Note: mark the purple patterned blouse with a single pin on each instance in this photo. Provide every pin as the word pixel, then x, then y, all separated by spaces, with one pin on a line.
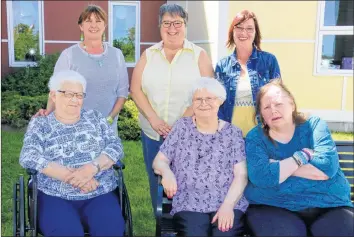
pixel 203 165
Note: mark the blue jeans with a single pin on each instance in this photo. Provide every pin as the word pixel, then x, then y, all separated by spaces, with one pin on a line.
pixel 150 149
pixel 101 216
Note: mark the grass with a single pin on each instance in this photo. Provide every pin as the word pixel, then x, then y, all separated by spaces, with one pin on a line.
pixel 135 180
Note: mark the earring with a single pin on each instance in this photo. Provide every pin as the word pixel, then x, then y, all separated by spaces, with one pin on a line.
pixel 82 36
pixel 104 36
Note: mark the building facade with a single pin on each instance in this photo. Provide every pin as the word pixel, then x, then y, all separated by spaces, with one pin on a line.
pixel 312 40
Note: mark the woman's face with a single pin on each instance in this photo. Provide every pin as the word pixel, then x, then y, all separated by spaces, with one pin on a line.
pixel 69 99
pixel 244 33
pixel 277 108
pixel 205 104
pixel 93 27
pixel 172 30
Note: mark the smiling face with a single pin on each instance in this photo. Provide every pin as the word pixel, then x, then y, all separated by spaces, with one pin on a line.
pixel 205 104
pixel 244 33
pixel 276 108
pixel 173 34
pixel 93 27
pixel 65 106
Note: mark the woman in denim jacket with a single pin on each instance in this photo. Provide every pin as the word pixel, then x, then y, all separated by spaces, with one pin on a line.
pixel 245 71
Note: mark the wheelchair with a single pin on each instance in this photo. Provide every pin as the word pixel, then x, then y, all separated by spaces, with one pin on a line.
pixel 27 222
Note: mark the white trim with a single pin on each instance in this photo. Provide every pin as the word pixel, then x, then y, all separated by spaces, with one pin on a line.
pixel 148 43
pixel 61 41
pixel 322 30
pixel 344 93
pixel 137 26
pixel 4 40
pixel 288 41
pixel 12 62
pixel 331 115
pixel 222 30
pixel 202 42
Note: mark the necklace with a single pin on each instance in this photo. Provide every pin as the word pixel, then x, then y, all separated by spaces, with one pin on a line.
pixel 99 60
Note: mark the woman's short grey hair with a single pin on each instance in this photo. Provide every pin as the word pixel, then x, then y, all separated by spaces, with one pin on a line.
pixel 211 85
pixel 173 10
pixel 58 78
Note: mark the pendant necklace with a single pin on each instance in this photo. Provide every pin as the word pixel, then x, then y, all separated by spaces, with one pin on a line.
pixel 98 61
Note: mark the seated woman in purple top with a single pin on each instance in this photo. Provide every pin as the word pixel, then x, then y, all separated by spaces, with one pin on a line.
pixel 202 164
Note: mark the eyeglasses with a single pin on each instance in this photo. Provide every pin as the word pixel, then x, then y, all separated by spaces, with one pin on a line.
pixel 176 24
pixel 70 95
pixel 240 29
pixel 207 100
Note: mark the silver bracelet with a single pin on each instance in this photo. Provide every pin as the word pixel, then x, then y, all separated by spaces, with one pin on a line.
pixel 95 163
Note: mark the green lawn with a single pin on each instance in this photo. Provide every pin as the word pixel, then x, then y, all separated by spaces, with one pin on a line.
pixel 135 179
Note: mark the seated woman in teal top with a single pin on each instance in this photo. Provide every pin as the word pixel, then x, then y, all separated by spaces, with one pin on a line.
pixel 296 186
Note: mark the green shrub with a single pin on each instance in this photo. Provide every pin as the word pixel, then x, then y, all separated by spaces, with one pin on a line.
pixel 31 80
pixel 128 124
pixel 17 110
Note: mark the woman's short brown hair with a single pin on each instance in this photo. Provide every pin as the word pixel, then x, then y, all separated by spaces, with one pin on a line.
pixel 298 117
pixel 92 9
pixel 239 18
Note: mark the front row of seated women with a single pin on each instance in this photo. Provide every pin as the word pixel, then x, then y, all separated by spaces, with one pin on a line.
pixel 295 187
pixel 292 184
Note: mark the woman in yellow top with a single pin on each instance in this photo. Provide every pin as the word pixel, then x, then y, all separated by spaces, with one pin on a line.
pixel 245 71
pixel 161 80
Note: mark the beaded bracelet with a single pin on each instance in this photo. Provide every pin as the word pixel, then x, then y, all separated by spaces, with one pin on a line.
pixel 300 155
pixel 309 156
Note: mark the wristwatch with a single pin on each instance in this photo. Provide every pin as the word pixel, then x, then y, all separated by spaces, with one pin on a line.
pixel 109 120
pixel 95 163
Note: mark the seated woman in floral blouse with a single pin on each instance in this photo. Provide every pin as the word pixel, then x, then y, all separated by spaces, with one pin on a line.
pixel 73 151
pixel 208 170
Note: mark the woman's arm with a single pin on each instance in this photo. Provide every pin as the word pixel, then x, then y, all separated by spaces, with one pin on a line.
pixel 275 69
pixel 205 65
pixel 309 171
pixel 238 184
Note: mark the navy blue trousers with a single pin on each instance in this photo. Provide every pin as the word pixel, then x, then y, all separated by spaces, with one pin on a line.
pixel 101 216
pixel 188 223
pixel 150 149
pixel 266 220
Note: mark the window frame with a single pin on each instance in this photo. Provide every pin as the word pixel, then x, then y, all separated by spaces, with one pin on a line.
pixel 10 33
pixel 136 4
pixel 328 30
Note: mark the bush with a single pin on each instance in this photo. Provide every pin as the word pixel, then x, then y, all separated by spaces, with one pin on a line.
pixel 17 110
pixel 128 124
pixel 31 80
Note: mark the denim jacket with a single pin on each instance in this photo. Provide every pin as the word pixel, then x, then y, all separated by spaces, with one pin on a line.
pixel 262 67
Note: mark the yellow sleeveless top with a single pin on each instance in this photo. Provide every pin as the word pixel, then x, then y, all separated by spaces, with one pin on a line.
pixel 243 113
pixel 166 85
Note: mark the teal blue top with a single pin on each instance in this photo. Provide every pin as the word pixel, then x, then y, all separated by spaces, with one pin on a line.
pixel 295 193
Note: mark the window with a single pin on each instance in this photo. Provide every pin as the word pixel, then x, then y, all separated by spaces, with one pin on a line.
pixel 25 32
pixel 124 29
pixel 334 50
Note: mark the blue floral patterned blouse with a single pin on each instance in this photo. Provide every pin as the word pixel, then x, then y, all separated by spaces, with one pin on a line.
pixel 72 145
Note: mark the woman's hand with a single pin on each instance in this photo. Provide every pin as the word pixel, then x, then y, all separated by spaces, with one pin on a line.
pixel 79 177
pixel 90 186
pixel 169 184
pixel 225 215
pixel 160 126
pixel 41 112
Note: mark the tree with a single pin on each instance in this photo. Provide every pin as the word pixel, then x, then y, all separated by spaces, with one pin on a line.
pixel 25 40
pixel 127 45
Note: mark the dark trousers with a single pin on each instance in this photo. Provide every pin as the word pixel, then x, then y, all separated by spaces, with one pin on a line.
pixel 150 149
pixel 188 223
pixel 101 215
pixel 265 220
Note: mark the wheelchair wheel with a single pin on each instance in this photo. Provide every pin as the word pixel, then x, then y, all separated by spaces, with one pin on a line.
pixel 19 208
pixel 127 215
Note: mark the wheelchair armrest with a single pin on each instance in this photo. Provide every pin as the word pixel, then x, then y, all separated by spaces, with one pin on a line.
pixel 119 165
pixel 31 171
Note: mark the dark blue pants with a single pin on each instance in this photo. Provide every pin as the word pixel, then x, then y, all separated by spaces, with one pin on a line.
pixel 266 220
pixel 188 223
pixel 101 216
pixel 150 149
